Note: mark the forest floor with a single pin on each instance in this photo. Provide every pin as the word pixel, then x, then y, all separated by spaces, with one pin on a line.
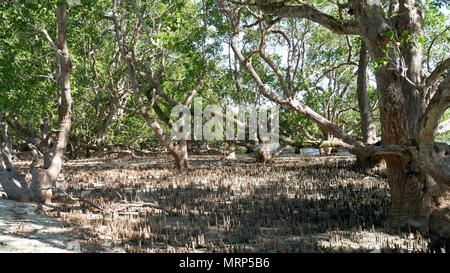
pixel 294 204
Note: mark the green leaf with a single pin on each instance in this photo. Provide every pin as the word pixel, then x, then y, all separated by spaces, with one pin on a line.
pixel 390 34
pixel 421 40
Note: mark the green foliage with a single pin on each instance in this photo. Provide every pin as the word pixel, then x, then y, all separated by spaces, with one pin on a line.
pixel 28 68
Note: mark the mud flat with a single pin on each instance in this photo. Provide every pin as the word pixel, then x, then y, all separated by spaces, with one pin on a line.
pixel 291 205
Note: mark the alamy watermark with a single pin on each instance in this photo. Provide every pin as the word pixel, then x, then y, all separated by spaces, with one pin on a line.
pixel 232 123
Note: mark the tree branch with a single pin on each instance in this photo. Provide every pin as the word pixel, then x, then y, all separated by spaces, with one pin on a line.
pixel 308 12
pixel 443 127
pixel 298 107
pixel 435 109
pixel 382 150
pixel 437 72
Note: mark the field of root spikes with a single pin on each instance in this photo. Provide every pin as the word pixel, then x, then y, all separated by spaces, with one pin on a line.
pixel 291 205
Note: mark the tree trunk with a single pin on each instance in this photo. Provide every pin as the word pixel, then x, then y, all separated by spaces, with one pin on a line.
pixel 12 183
pixel 230 152
pixel 251 148
pixel 5 145
pixel 406 181
pixel 439 229
pixel 100 145
pixel 44 145
pixel 414 195
pixel 43 180
pixel 41 183
pixel 263 152
pixel 368 127
pixel 180 154
pixel 103 125
pixel 410 21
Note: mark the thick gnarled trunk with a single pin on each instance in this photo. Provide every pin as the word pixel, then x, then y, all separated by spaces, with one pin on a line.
pixel 414 194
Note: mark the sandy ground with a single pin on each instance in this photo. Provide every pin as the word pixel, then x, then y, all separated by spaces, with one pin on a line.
pixel 23 229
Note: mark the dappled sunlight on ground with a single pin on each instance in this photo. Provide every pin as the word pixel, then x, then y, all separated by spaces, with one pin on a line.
pixel 23 229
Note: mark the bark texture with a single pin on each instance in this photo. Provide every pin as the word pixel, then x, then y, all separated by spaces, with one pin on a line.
pixel 368 127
